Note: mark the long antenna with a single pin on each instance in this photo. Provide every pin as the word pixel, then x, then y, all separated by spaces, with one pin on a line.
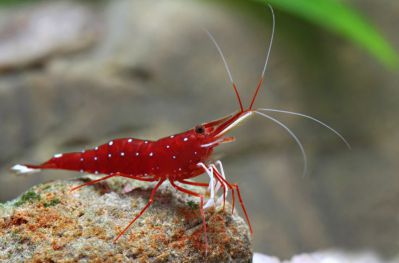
pixel 313 119
pixel 266 61
pixel 227 68
pixel 296 139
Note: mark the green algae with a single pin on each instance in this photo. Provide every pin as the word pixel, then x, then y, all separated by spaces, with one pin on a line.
pixel 29 196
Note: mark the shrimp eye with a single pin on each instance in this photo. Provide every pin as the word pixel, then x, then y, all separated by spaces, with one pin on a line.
pixel 200 129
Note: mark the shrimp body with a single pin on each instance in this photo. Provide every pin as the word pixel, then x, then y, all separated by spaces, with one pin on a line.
pixel 173 157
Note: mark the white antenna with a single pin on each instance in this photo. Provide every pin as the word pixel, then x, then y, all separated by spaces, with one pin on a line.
pixel 271 41
pixel 227 68
pixel 221 55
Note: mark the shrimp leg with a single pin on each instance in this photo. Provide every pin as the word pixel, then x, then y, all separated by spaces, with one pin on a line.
pixel 213 186
pixel 232 187
pixel 150 201
pixel 183 190
pixel 92 182
pixel 110 176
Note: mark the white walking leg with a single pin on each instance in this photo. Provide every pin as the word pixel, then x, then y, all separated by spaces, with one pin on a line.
pixel 211 187
pixel 218 162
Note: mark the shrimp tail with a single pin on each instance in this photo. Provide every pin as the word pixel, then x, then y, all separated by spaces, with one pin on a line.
pixel 59 161
pixel 25 169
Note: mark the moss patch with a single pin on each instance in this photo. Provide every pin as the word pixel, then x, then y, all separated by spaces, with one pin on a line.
pixel 192 204
pixel 52 202
pixel 29 196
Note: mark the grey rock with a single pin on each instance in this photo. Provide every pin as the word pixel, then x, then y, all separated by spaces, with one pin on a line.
pixel 34 33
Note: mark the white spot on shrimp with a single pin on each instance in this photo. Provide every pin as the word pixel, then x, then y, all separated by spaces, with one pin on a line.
pixel 130 140
pixel 167 146
pixel 185 139
pixel 179 169
pixel 122 154
pixel 81 170
pixel 81 159
pixel 172 136
pixel 96 148
pixel 95 158
pixel 151 154
pixel 137 154
pixel 195 153
pixel 96 172
pixel 174 157
pixel 110 143
pixel 145 141
pixel 109 155
pixel 58 155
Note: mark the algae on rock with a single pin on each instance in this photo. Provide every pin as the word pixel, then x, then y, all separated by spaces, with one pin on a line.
pixel 50 223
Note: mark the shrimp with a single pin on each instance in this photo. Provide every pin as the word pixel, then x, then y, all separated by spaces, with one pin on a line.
pixel 174 158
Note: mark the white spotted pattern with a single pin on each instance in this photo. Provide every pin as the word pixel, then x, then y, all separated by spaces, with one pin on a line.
pixel 109 155
pixel 137 154
pixel 58 155
pixel 185 139
pixel 122 154
pixel 167 146
pixel 95 158
pixel 110 143
pixel 151 154
pixel 130 140
pixel 174 156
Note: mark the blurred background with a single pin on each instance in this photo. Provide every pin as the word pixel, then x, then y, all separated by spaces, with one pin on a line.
pixel 74 74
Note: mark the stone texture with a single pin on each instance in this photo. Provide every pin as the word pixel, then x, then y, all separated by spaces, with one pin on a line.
pixel 50 224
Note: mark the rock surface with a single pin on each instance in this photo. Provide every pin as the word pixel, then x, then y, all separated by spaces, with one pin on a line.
pixel 50 224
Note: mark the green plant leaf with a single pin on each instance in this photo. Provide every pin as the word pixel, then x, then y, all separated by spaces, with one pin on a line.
pixel 14 2
pixel 337 17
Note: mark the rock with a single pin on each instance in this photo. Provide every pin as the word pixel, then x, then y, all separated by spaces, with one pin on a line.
pixel 32 34
pixel 50 224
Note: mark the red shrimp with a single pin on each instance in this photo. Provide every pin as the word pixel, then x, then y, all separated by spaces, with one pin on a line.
pixel 175 158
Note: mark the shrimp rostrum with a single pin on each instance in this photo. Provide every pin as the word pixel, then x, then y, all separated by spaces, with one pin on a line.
pixel 174 158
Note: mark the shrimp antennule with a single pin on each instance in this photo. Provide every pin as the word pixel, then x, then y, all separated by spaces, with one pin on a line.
pixel 227 69
pixel 266 61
